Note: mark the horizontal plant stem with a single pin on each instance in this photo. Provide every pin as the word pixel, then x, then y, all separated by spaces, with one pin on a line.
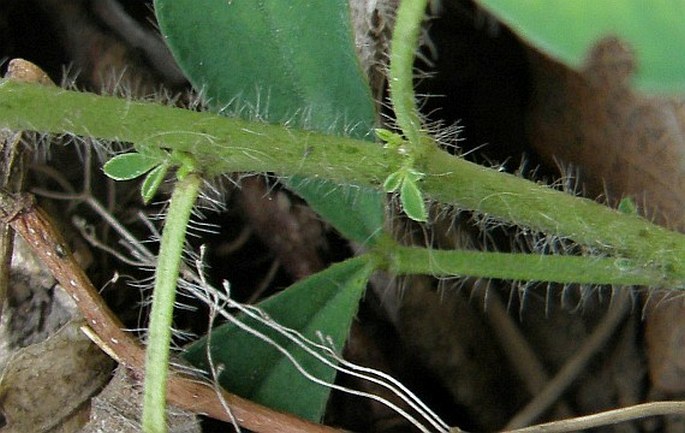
pixel 218 144
pixel 508 198
pixel 224 145
pixel 520 267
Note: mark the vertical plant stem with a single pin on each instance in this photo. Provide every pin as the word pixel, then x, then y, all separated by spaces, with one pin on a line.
pixel 166 277
pixel 405 41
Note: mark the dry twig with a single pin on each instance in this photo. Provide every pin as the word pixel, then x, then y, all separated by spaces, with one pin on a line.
pixel 191 393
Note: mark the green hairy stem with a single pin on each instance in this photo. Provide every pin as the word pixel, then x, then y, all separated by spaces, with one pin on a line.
pixel 164 294
pixel 223 145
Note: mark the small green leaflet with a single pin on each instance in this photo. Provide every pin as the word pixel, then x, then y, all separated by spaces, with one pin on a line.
pixel 412 199
pixel 625 265
pixel 130 165
pixel 152 182
pixel 406 180
pixel 393 181
pixel 135 164
pixel 391 139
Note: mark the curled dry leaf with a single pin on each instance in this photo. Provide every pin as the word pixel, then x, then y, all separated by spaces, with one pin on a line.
pixel 623 144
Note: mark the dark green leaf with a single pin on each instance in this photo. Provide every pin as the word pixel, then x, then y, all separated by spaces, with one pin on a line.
pixel 324 302
pixel 279 59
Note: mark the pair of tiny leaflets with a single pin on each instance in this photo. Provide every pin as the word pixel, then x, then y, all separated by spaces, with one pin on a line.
pixel 406 179
pixel 154 162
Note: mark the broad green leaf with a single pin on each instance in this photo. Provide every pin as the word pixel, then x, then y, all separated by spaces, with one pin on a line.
pixel 279 59
pixel 152 182
pixel 567 29
pixel 412 200
pixel 325 302
pixel 129 166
